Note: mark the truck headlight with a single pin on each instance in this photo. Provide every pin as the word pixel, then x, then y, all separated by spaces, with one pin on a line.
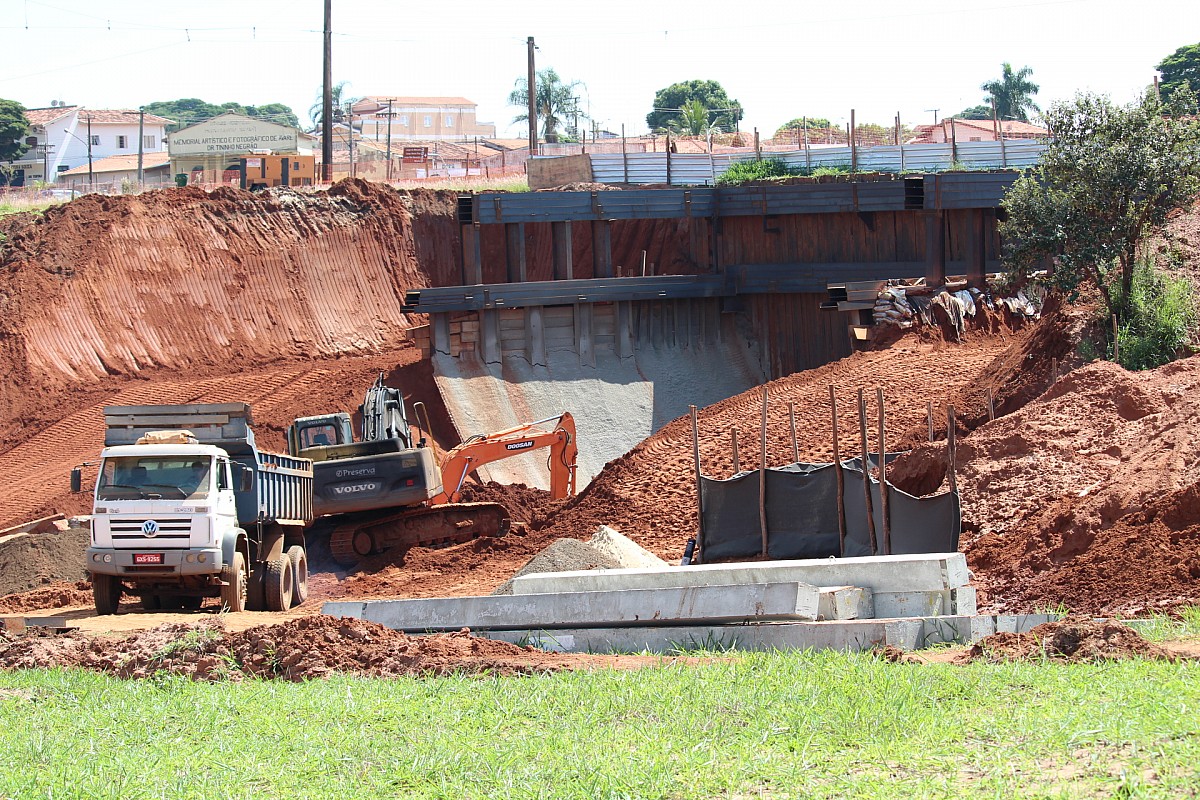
pixel 203 557
pixel 96 557
pixel 108 558
pixel 190 558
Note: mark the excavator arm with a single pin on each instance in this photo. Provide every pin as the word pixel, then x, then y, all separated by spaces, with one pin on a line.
pixel 483 449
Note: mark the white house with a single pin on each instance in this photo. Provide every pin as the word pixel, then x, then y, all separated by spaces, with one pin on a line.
pixel 64 132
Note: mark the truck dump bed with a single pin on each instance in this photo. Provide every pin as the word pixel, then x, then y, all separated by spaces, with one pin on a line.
pixel 282 487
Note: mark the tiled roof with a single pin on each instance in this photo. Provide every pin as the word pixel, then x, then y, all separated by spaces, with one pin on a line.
pixel 118 116
pixel 42 116
pixel 382 100
pixel 98 116
pixel 1012 126
pixel 121 163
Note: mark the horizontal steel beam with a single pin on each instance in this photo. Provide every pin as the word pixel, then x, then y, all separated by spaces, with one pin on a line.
pixel 739 280
pixel 946 190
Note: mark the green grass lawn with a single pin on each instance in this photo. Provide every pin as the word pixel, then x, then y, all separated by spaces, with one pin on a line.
pixel 739 726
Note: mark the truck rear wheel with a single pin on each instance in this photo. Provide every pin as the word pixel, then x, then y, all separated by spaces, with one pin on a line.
pixel 299 561
pixel 279 583
pixel 233 593
pixel 106 592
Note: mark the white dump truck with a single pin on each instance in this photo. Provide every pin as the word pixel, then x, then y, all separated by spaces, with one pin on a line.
pixel 187 507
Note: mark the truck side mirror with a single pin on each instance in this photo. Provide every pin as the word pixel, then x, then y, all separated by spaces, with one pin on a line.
pixel 245 480
pixel 76 480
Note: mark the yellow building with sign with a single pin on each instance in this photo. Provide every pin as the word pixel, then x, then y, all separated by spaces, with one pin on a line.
pixel 212 151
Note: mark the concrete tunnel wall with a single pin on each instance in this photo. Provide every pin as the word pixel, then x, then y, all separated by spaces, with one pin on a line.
pixel 679 353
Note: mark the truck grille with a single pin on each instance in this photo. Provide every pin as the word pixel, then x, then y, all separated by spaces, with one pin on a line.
pixel 173 532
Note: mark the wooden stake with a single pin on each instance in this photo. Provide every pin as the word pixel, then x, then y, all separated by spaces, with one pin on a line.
pixel 883 485
pixel 866 470
pixel 929 414
pixel 737 464
pixel 841 479
pixel 762 477
pixel 991 405
pixel 1116 340
pixel 699 487
pixel 950 448
pixel 792 424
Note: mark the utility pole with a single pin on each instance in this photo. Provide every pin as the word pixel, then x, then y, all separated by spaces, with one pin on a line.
pixel 141 142
pixel 89 135
pixel 350 135
pixel 327 99
pixel 389 137
pixel 531 83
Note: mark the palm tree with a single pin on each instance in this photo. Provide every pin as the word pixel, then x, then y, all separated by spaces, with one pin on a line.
pixel 693 120
pixel 317 111
pixel 554 100
pixel 1013 93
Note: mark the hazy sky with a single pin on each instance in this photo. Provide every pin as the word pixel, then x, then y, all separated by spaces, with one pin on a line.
pixel 780 59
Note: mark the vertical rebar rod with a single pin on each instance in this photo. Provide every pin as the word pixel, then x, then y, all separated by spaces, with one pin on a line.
pixel 884 502
pixel 737 464
pixel 929 416
pixel 950 448
pixel 762 477
pixel 841 479
pixel 792 425
pixel 699 486
pixel 866 471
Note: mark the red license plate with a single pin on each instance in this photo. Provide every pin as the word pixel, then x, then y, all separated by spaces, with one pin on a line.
pixel 147 558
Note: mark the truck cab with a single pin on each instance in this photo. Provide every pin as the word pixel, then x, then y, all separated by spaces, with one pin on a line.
pixel 186 507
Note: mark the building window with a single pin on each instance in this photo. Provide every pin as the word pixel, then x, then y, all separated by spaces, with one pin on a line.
pixel 122 142
pixel 428 121
pixel 449 121
pixel 404 119
pixel 95 141
pixel 148 142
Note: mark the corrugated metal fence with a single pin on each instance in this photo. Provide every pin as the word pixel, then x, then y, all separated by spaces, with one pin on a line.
pixel 701 169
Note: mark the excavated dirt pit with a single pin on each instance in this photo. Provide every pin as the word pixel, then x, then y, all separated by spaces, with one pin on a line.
pixel 1083 496
pixel 1072 639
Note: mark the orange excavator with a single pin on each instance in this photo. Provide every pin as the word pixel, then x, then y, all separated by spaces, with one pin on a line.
pixel 390 489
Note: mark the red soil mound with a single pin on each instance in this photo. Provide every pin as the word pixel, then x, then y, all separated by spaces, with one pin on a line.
pixel 296 650
pixel 1086 496
pixel 1069 639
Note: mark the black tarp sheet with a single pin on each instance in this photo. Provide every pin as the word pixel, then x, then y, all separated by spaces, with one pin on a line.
pixel 802 515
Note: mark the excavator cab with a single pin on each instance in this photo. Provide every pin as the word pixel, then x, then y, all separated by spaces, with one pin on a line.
pixel 313 437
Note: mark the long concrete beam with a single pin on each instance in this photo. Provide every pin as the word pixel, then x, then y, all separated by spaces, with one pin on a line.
pixel 932 572
pixel 845 635
pixel 690 605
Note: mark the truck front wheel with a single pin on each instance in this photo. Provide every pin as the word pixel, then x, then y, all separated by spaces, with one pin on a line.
pixel 233 593
pixel 106 591
pixel 279 583
pixel 299 561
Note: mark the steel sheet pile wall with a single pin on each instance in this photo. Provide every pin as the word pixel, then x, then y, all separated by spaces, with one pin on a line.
pixel 698 169
pixel 802 515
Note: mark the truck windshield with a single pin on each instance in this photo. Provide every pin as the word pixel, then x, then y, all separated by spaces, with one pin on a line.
pixel 154 477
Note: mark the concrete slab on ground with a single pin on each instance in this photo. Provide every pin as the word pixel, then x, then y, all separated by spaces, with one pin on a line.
pixel 903 573
pixel 694 605
pixel 946 602
pixel 844 635
pixel 845 602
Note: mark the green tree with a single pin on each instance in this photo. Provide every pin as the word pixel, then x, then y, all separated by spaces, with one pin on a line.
pixel 791 127
pixel 1181 68
pixel 190 110
pixel 976 112
pixel 722 112
pixel 556 100
pixel 1013 93
pixel 13 130
pixel 1109 174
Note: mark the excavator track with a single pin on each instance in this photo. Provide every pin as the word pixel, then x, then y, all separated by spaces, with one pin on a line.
pixel 375 532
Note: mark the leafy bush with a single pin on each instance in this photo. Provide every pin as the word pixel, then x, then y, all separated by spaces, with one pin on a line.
pixel 1161 319
pixel 756 170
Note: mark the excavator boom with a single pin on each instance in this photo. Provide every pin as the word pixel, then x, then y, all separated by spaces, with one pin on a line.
pixel 485 448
